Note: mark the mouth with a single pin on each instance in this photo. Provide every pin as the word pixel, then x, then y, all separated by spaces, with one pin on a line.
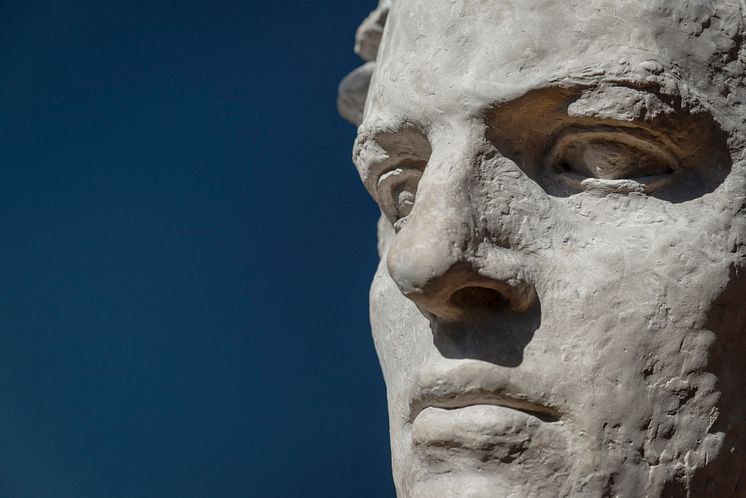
pixel 470 384
pixel 459 399
pixel 475 411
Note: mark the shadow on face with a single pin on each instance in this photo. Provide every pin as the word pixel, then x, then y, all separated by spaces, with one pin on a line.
pixel 488 331
pixel 612 139
pixel 727 319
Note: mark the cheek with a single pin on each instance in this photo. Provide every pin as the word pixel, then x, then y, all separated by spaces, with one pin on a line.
pixel 400 332
pixel 621 306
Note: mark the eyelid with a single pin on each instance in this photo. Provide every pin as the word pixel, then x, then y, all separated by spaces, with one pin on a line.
pixel 379 172
pixel 568 161
pixel 629 138
pixel 389 161
pixel 635 138
pixel 393 179
pixel 404 164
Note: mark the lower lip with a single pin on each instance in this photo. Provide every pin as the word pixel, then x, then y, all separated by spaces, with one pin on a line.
pixel 476 427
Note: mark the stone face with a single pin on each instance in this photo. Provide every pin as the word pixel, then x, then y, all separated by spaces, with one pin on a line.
pixel 559 307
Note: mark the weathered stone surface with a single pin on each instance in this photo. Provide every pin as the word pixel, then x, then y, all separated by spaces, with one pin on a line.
pixel 559 308
pixel 369 34
pixel 352 93
pixel 353 89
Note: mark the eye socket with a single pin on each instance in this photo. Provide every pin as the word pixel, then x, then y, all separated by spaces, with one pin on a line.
pixel 397 191
pixel 612 161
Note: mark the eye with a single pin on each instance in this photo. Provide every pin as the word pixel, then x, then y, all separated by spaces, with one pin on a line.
pixel 611 161
pixel 397 191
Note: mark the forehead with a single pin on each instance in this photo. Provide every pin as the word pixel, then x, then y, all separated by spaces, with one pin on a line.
pixel 459 56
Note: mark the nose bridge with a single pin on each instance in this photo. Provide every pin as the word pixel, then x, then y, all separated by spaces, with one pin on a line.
pixel 440 230
pixel 443 247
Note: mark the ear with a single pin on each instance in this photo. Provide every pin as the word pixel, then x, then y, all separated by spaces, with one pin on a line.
pixel 353 89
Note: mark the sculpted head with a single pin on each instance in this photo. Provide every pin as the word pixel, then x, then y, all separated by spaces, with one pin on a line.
pixel 558 309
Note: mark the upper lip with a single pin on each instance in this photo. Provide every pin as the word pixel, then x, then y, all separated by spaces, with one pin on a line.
pixel 472 383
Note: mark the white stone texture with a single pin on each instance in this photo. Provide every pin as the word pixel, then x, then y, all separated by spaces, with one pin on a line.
pixel 353 89
pixel 559 307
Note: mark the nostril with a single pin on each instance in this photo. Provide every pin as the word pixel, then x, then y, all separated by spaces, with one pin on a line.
pixel 479 298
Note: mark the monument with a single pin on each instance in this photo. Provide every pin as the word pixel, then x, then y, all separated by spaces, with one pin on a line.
pixel 559 306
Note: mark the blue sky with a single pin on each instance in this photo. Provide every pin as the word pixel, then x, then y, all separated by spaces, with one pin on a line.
pixel 185 254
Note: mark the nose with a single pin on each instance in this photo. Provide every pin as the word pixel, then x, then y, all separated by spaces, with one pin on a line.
pixel 445 258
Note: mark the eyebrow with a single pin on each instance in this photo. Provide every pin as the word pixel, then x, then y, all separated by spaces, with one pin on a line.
pixel 584 90
pixel 621 103
pixel 371 131
pixel 599 102
pixel 665 84
pixel 362 142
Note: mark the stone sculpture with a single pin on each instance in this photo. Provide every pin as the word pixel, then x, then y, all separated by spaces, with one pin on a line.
pixel 559 308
